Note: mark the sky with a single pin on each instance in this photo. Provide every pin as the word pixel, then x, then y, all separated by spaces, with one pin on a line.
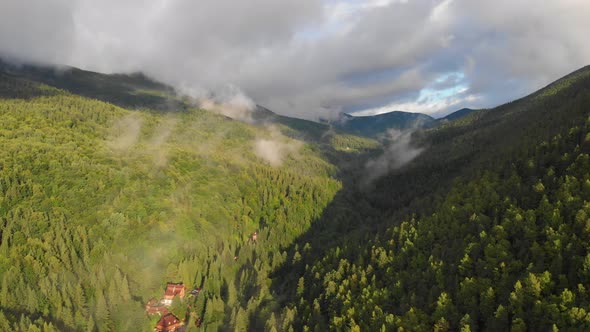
pixel 314 58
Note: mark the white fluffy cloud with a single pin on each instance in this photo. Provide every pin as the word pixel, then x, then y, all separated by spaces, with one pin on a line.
pixel 311 57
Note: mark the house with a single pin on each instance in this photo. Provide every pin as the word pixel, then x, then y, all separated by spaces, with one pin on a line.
pixel 155 307
pixel 169 323
pixel 173 290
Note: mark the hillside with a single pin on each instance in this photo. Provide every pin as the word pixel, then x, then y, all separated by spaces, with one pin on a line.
pixel 101 205
pixel 485 230
pixel 378 125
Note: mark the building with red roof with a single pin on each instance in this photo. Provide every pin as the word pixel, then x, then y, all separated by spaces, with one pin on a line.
pixel 172 291
pixel 169 323
pixel 154 307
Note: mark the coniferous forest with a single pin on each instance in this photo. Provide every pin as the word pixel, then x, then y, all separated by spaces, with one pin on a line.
pixel 112 186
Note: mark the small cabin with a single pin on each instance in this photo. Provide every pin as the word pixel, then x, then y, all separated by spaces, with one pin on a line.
pixel 168 323
pixel 172 291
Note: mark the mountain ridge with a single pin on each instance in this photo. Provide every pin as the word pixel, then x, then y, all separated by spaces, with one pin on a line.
pixel 458 114
pixel 133 90
pixel 378 125
pixel 137 90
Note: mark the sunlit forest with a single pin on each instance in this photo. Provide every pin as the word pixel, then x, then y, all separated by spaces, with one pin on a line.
pixel 101 206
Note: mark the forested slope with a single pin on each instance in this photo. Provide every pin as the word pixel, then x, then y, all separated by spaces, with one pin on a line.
pixel 100 206
pixel 487 230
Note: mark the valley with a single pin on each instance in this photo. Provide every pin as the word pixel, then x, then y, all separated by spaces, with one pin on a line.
pixel 294 165
pixel 107 199
pixel 102 206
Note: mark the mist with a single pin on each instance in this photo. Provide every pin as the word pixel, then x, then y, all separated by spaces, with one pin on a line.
pixel 229 101
pixel 125 133
pixel 398 153
pixel 156 144
pixel 276 148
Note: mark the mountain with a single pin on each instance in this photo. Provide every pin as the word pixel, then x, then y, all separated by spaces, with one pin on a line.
pixel 458 114
pixel 378 125
pixel 304 129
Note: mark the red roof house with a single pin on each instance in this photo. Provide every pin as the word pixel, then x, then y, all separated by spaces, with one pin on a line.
pixel 155 307
pixel 173 290
pixel 168 323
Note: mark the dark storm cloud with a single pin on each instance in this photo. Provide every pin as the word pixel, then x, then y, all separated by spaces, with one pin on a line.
pixel 309 57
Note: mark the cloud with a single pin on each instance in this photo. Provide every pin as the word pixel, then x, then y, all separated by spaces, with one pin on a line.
pixel 276 148
pixel 399 152
pixel 228 100
pixel 157 142
pixel 311 57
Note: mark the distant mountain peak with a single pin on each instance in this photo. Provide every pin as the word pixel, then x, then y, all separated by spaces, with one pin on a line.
pixel 458 114
pixel 376 125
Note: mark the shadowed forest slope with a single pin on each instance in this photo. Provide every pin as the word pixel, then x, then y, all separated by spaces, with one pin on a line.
pixel 488 229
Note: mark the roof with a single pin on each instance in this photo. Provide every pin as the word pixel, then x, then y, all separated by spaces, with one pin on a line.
pixel 155 307
pixel 157 310
pixel 168 321
pixel 173 290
